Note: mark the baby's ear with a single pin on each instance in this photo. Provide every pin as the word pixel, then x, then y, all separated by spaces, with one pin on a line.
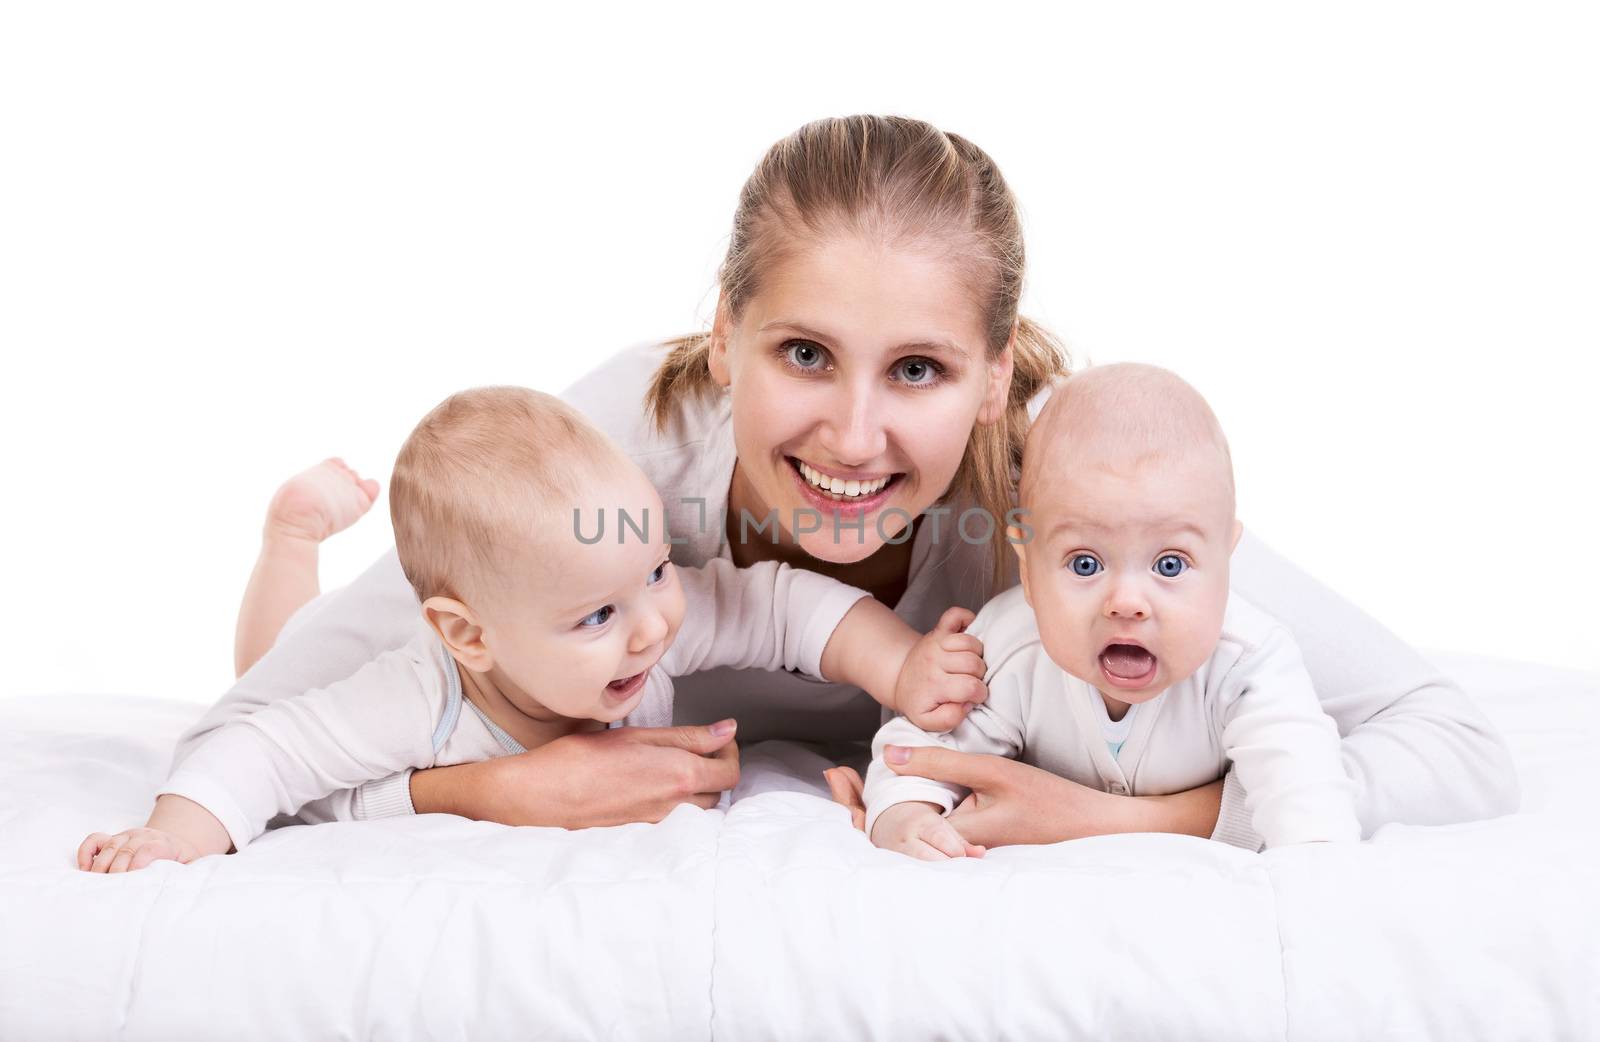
pixel 457 626
pixel 1238 530
pixel 1014 536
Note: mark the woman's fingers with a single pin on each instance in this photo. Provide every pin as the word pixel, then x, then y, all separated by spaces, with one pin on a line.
pixel 695 739
pixel 719 771
pixel 969 770
pixel 845 786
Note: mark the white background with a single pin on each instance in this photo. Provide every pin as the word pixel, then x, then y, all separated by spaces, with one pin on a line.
pixel 235 239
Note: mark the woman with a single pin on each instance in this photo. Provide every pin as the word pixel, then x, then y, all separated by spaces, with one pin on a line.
pixel 858 409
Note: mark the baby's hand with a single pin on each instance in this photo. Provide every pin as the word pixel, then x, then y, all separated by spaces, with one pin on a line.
pixel 918 829
pixel 133 849
pixel 942 678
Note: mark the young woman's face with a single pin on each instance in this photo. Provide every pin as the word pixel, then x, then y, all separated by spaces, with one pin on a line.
pixel 863 368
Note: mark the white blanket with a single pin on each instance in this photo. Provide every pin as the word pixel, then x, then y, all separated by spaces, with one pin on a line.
pixel 774 919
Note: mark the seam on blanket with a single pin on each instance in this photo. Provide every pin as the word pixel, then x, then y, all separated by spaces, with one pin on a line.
pixel 716 917
pixel 138 956
pixel 1283 953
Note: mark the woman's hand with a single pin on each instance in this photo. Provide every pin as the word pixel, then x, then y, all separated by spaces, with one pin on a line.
pixel 611 777
pixel 1013 802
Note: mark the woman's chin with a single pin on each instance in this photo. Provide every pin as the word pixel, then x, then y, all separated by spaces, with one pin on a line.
pixel 844 548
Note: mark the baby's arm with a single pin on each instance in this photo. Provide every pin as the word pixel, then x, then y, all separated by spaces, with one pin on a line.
pixel 933 679
pixel 901 809
pixel 1285 748
pixel 286 754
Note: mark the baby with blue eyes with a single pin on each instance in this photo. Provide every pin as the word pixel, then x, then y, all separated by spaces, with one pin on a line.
pixel 1122 661
pixel 542 614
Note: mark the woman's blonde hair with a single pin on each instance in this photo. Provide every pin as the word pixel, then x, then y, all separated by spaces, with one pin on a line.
pixel 904 178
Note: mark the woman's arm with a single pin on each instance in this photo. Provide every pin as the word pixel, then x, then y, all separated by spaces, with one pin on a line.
pixel 1416 748
pixel 1012 802
pixel 626 774
pixel 611 777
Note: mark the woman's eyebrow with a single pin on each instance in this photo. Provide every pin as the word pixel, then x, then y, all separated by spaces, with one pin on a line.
pixel 936 345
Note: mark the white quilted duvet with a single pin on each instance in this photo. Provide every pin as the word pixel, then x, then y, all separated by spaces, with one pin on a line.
pixel 774 919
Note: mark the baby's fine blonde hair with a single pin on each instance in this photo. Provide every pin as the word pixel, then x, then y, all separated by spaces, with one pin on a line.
pixel 1122 415
pixel 905 181
pixel 480 478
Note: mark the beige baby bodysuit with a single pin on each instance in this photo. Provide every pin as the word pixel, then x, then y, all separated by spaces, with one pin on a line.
pixel 1250 704
pixel 405 709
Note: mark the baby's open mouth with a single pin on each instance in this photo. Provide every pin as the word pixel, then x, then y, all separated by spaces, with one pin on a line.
pixel 624 688
pixel 1127 665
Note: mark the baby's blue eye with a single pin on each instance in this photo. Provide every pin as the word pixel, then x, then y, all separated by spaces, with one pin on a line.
pixel 659 574
pixel 1083 564
pixel 598 617
pixel 1171 565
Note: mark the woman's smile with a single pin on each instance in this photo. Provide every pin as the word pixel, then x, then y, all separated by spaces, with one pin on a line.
pixel 849 493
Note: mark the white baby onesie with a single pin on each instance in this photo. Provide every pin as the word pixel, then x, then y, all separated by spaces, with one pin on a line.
pixel 405 709
pixel 1251 703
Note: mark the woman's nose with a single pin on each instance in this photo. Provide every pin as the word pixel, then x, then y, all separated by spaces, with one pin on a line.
pixel 855 432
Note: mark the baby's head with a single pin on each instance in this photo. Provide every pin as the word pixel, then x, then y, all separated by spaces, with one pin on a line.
pixel 483 499
pixel 1128 487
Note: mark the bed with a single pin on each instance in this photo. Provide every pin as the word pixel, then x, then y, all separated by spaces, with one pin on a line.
pixel 770 918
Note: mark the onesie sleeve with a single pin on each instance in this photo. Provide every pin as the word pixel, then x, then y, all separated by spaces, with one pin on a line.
pixel 768 616
pixel 993 728
pixel 328 640
pixel 1284 748
pixel 301 748
pixel 1415 746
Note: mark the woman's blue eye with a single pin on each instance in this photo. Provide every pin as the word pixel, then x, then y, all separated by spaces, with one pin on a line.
pixel 1083 564
pixel 1171 565
pixel 598 617
pixel 919 372
pixel 803 354
pixel 659 574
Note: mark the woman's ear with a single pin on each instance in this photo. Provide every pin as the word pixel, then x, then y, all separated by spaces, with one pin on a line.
pixel 998 394
pixel 717 356
pixel 458 627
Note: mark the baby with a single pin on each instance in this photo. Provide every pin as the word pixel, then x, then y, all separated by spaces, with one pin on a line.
pixel 1122 661
pixel 527 631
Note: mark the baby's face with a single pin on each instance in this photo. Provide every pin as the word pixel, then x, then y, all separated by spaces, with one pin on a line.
pixel 1127 572
pixel 588 622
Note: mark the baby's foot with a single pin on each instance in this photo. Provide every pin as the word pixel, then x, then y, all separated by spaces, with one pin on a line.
pixel 316 503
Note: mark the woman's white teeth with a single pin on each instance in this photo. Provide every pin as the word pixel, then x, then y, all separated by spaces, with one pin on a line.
pixel 841 487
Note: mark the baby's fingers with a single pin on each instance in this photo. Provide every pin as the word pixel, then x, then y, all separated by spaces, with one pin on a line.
pixel 89 848
pixel 943 837
pixel 107 852
pixel 946 716
pixel 961 642
pixel 963 663
pixel 923 851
